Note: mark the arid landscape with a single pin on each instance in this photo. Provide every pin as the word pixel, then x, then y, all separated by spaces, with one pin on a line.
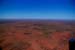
pixel 36 34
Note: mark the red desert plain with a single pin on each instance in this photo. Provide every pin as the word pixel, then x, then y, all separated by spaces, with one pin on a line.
pixel 36 34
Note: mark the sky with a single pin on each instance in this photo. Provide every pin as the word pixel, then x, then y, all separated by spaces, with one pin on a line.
pixel 37 9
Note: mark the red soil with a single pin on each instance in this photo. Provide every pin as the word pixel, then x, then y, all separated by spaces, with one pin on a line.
pixel 35 36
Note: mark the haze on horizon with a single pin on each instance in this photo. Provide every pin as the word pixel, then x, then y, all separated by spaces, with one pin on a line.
pixel 37 9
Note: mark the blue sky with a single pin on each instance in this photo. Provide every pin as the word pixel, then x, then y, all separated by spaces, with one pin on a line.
pixel 37 9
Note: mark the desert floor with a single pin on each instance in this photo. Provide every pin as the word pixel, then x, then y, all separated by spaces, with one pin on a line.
pixel 36 35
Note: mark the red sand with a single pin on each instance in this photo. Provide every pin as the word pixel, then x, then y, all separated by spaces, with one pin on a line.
pixel 35 35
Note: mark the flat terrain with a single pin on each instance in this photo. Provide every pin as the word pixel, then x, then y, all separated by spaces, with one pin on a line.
pixel 36 34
